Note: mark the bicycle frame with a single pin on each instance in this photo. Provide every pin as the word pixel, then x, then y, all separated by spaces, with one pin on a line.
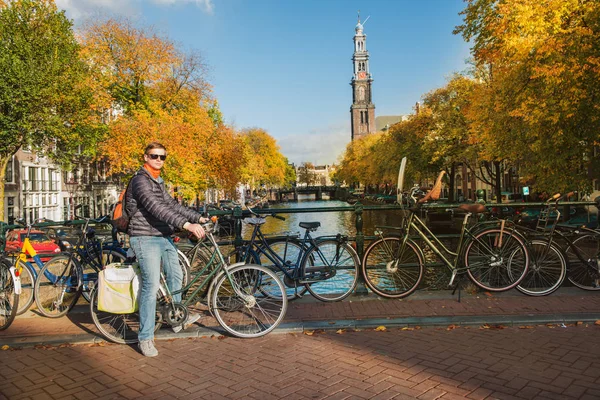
pixel 216 262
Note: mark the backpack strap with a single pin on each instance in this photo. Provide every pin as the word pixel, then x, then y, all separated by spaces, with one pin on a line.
pixel 125 198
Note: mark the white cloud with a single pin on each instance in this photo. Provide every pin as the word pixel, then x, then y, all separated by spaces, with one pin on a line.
pixel 80 9
pixel 205 5
pixel 319 146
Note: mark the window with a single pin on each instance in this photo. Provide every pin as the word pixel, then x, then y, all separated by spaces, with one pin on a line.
pixel 9 171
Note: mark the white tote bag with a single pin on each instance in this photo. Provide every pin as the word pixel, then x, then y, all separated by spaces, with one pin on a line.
pixel 118 288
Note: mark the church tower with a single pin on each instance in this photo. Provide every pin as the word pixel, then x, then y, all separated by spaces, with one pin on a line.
pixel 362 111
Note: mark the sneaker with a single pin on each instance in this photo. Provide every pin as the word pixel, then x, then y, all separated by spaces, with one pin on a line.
pixel 190 320
pixel 147 348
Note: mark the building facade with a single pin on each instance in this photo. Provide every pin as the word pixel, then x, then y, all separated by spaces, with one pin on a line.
pixel 37 188
pixel 362 111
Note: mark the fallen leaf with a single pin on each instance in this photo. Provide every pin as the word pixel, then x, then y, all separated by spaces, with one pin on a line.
pixel 597 322
pixel 331 323
pixel 309 333
pixel 526 327
pixel 451 327
pixel 579 323
pixel 488 294
pixel 381 328
pixel 486 326
pixel 5 347
pixel 406 328
pixel 339 331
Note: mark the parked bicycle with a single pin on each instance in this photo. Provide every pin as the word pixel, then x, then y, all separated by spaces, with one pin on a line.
pixel 326 266
pixel 9 294
pixel 495 257
pixel 26 270
pixel 233 298
pixel 68 275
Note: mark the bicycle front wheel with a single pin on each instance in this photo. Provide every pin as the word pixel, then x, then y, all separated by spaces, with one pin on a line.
pixel 27 287
pixel 331 270
pixel 390 272
pixel 9 299
pixel 241 308
pixel 497 259
pixel 547 269
pixel 584 263
pixel 57 286
pixel 118 328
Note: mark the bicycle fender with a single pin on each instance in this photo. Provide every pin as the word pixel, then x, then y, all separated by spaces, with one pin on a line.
pixel 16 280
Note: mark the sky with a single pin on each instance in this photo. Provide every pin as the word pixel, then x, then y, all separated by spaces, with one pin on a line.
pixel 285 65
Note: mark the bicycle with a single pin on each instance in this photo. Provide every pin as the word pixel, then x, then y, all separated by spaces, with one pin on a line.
pixel 9 294
pixel 494 257
pixel 233 298
pixel 326 266
pixel 548 265
pixel 24 269
pixel 67 276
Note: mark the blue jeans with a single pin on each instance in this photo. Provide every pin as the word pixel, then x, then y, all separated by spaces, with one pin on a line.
pixel 150 251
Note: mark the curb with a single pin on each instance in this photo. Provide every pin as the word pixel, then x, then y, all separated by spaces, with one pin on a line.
pixel 300 327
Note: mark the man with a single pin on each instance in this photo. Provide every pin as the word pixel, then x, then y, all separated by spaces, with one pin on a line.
pixel 153 216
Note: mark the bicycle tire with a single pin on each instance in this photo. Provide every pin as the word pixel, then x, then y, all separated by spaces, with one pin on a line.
pixel 547 269
pixel 117 328
pixel 333 270
pixel 497 259
pixel 288 251
pixel 251 314
pixel 585 274
pixel 27 287
pixel 57 286
pixel 387 278
pixel 90 271
pixel 9 299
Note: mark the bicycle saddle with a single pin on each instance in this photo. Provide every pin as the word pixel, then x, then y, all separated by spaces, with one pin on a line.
pixel 310 225
pixel 255 221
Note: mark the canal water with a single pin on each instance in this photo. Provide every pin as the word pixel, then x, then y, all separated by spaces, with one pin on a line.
pixel 332 223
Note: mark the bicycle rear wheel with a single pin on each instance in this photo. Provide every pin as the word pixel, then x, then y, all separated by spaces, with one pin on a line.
pixel 389 273
pixel 9 299
pixel 547 269
pixel 584 262
pixel 241 308
pixel 57 286
pixel 118 328
pixel 331 270
pixel 27 287
pixel 289 253
pixel 497 259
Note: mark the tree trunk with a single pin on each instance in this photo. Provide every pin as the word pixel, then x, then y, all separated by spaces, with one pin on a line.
pixel 452 183
pixel 3 163
pixel 498 182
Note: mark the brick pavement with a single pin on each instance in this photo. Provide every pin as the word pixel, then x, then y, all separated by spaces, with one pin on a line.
pixel 420 309
pixel 541 362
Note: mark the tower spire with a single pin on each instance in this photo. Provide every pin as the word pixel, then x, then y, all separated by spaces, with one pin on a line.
pixel 362 111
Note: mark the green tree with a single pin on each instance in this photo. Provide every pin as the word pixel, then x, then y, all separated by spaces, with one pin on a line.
pixel 43 105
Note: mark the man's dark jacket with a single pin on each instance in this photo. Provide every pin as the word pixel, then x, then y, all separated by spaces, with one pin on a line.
pixel 152 211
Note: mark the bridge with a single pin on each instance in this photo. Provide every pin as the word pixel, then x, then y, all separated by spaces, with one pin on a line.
pixel 292 193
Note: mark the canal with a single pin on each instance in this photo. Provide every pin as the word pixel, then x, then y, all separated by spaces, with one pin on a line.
pixel 332 223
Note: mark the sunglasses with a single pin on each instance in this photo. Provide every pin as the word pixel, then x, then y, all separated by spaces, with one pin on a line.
pixel 162 157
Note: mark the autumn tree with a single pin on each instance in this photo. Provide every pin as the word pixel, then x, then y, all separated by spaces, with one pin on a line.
pixel 264 163
pixel 538 62
pixel 43 105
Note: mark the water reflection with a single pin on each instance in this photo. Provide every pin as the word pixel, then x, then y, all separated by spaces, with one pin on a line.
pixel 332 223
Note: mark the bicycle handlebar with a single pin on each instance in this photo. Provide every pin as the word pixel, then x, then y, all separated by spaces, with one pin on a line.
pixel 279 217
